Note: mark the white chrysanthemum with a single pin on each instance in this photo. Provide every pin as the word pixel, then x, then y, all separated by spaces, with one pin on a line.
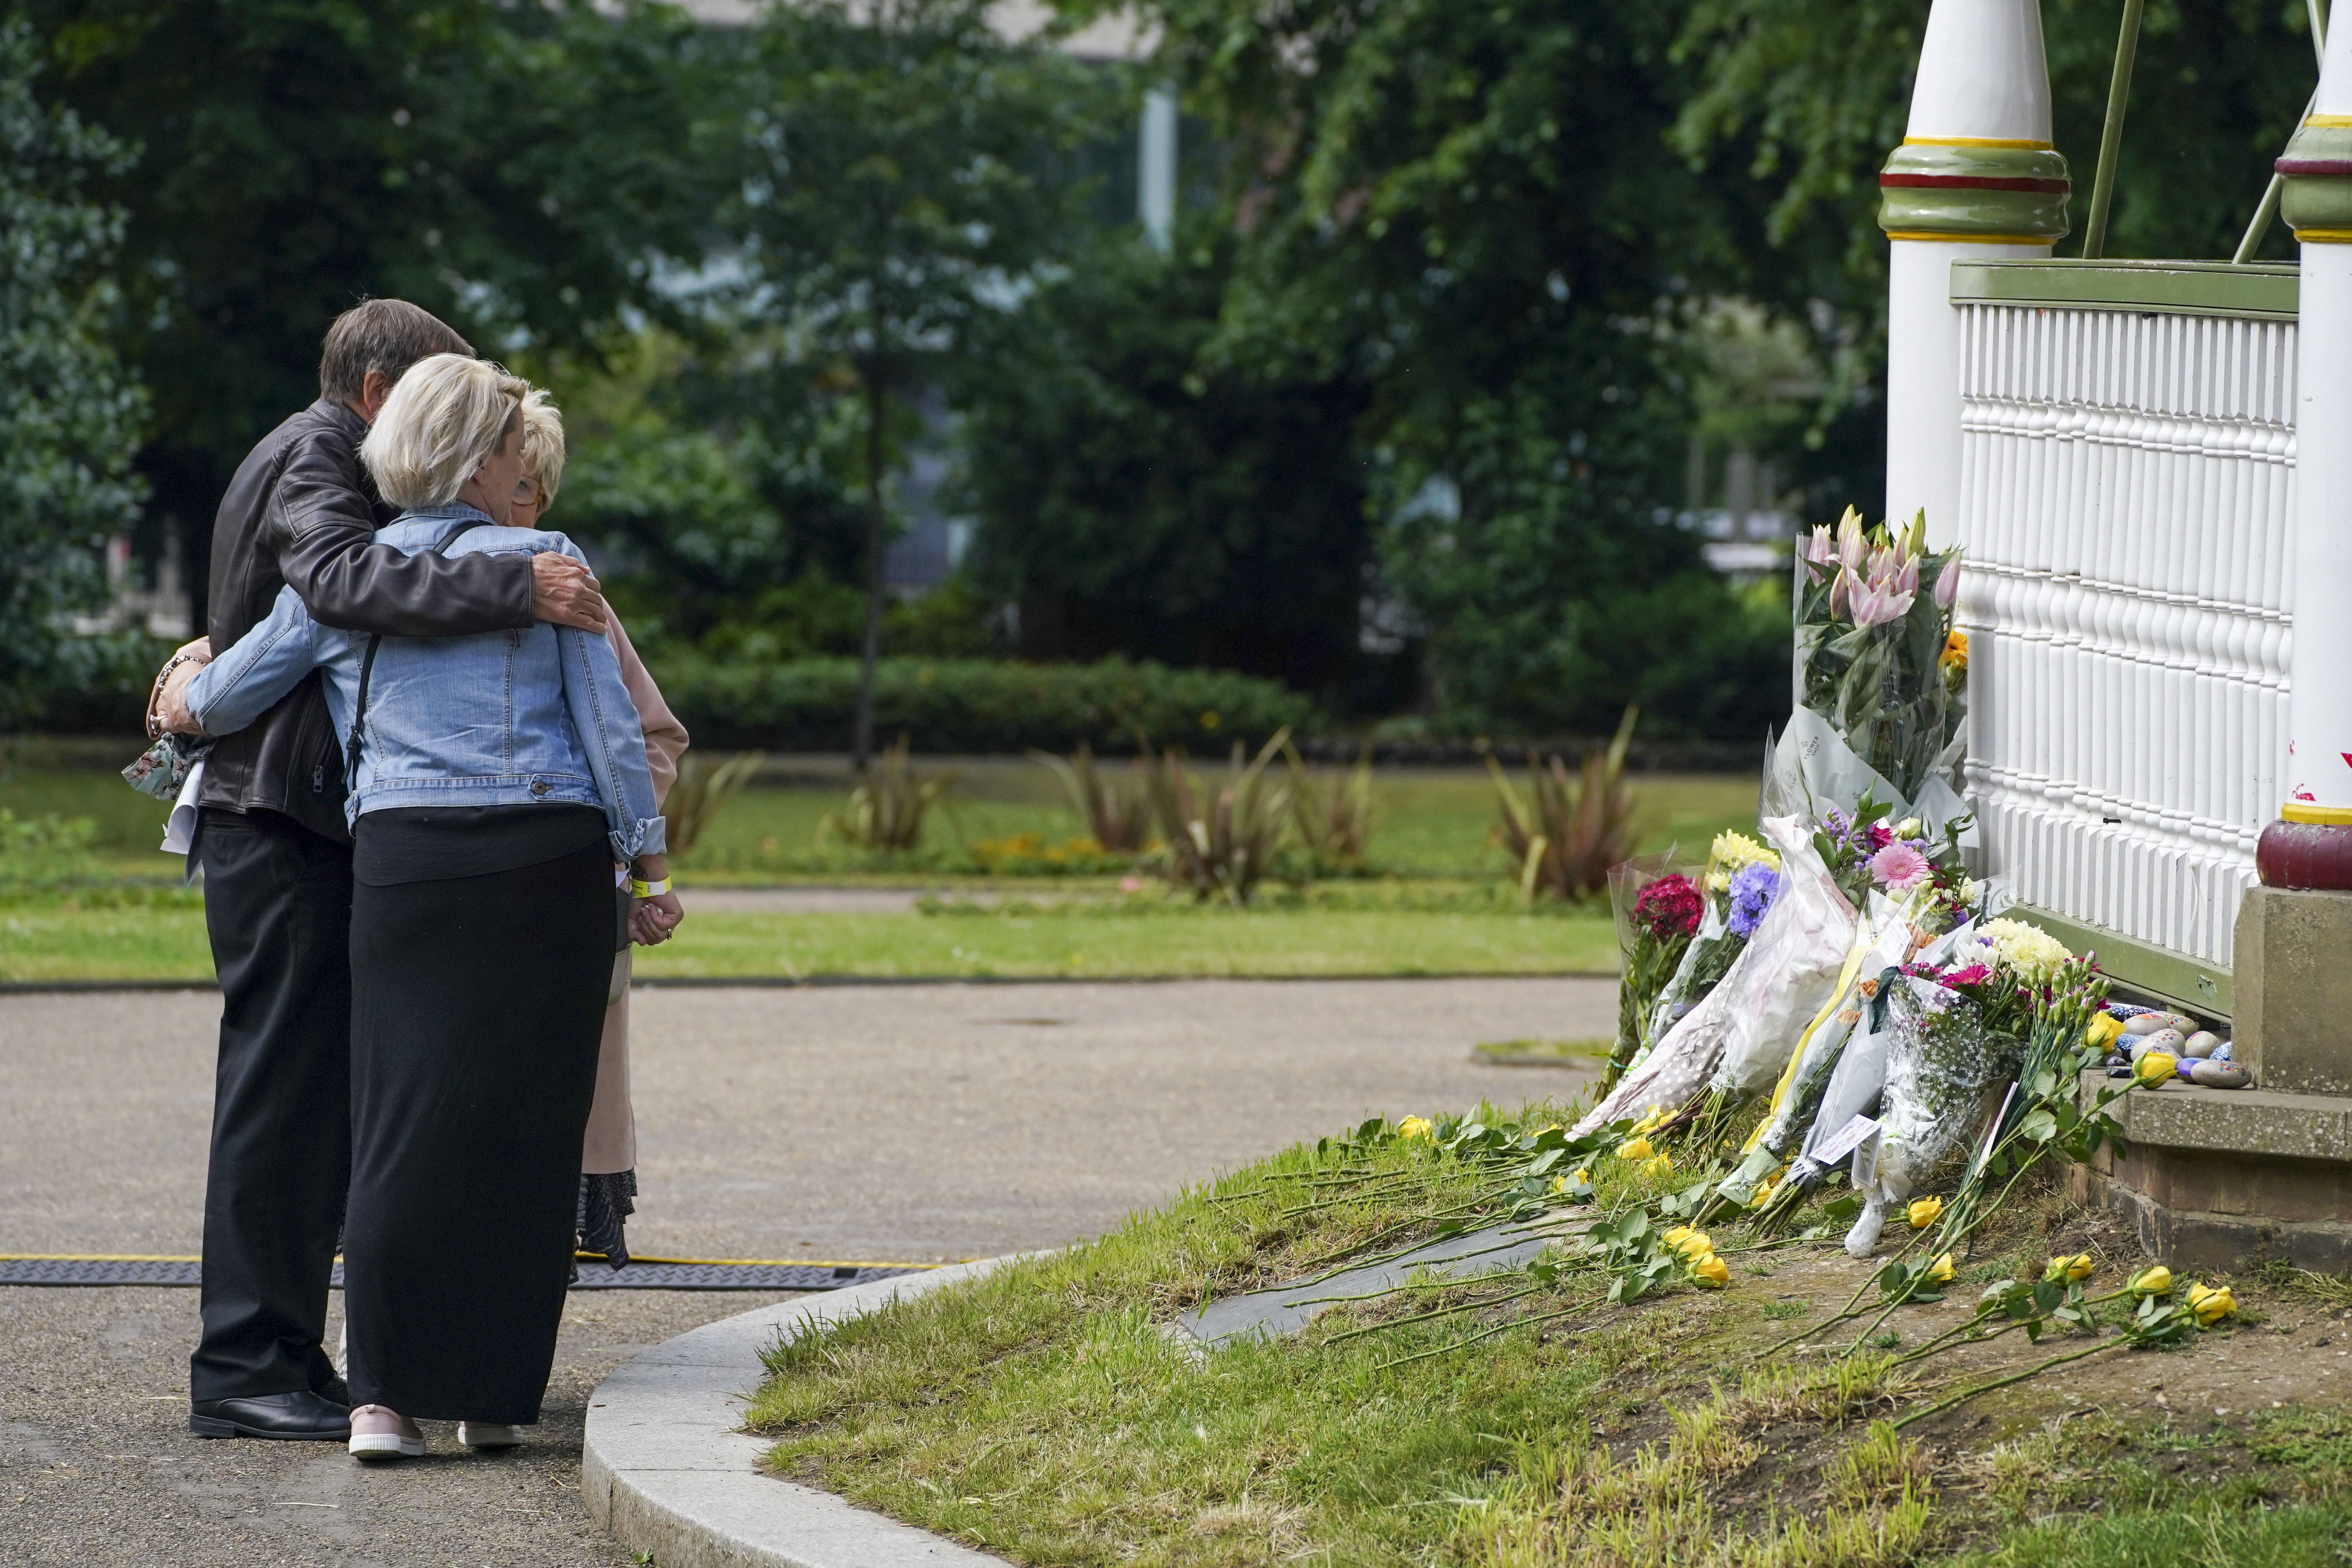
pixel 2029 950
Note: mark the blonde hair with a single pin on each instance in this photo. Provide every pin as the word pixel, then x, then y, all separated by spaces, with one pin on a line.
pixel 542 443
pixel 446 416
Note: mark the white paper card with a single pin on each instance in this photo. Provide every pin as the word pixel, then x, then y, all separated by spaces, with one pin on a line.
pixel 1864 1174
pixel 1845 1140
pixel 179 832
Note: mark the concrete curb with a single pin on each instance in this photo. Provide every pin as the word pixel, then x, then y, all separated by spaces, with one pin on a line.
pixel 666 1472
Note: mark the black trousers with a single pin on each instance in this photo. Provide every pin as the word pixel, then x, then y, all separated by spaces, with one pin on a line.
pixel 479 1006
pixel 278 905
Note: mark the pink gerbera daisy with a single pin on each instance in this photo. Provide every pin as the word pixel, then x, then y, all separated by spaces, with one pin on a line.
pixel 1899 867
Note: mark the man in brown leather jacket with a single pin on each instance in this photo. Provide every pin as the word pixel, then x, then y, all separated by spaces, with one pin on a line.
pixel 276 861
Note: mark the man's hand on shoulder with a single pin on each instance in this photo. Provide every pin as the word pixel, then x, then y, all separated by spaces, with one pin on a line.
pixel 565 592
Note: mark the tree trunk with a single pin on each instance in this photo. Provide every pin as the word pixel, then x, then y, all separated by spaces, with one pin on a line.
pixel 861 745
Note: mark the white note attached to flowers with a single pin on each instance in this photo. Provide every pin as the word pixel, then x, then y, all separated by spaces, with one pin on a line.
pixel 1845 1140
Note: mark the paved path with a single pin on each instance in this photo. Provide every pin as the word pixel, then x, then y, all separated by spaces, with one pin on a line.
pixel 897 1122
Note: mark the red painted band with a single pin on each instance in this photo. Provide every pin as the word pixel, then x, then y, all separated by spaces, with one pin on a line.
pixel 1974 183
pixel 2314 166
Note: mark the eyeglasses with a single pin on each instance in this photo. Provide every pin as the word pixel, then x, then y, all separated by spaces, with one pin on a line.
pixel 527 492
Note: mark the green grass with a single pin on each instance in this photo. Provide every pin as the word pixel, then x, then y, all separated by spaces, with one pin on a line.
pixel 1046 1412
pixel 53 942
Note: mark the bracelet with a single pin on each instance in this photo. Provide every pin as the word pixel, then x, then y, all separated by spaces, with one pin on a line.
pixel 638 890
pixel 156 698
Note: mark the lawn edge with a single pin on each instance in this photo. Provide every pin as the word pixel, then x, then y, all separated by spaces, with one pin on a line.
pixel 666 1470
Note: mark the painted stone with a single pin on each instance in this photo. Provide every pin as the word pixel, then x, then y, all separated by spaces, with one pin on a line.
pixel 2220 1052
pixel 2221 1075
pixel 2201 1044
pixel 2168 1041
pixel 2147 1023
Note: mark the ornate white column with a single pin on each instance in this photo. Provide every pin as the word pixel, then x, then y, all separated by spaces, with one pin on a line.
pixel 2312 846
pixel 1976 176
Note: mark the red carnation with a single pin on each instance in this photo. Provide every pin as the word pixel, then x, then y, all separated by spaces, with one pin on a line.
pixel 1669 907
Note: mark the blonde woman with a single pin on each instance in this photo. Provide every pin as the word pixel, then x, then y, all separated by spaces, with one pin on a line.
pixel 608 1156
pixel 496 782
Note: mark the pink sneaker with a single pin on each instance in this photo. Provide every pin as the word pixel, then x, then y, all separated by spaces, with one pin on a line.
pixel 379 1432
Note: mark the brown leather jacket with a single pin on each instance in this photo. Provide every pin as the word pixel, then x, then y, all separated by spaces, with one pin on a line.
pixel 301 511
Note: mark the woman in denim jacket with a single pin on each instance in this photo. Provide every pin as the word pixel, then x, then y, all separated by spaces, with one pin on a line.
pixel 496 780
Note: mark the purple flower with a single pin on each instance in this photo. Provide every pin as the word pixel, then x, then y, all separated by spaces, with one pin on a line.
pixel 1753 889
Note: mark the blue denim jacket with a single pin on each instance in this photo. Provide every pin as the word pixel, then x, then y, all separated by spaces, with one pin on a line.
pixel 512 717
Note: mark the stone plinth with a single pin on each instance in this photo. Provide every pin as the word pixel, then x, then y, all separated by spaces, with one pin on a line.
pixel 2293 1025
pixel 2217 1179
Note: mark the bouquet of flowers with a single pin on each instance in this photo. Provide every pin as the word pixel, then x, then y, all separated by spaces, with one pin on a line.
pixel 1657 915
pixel 1881 678
pixel 1741 880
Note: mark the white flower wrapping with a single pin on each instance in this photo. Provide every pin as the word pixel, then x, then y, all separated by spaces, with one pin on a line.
pixel 1754 1017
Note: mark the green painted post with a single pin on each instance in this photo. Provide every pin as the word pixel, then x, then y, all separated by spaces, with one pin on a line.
pixel 2317 10
pixel 2111 137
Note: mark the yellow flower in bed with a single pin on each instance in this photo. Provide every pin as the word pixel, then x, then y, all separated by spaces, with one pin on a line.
pixel 1657 1165
pixel 1710 1272
pixel 1635 1149
pixel 1924 1211
pixel 2211 1306
pixel 1942 1269
pixel 2155 1282
pixel 1415 1127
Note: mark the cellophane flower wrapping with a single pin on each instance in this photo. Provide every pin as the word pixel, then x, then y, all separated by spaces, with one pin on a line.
pixel 1743 878
pixel 1941 1064
pixel 1874 652
pixel 1777 984
pixel 1657 912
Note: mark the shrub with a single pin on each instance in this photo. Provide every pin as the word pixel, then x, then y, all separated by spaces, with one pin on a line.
pixel 1578 828
pixel 975 705
pixel 1118 819
pixel 701 792
pixel 1225 843
pixel 887 810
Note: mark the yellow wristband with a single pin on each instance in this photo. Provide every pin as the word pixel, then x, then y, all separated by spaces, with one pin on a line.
pixel 647 889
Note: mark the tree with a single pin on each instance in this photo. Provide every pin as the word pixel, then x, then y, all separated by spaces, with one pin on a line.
pixel 1133 499
pixel 519 170
pixel 1472 215
pixel 70 411
pixel 894 189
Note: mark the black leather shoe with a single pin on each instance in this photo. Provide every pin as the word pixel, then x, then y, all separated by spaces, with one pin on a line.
pixel 330 1387
pixel 301 1418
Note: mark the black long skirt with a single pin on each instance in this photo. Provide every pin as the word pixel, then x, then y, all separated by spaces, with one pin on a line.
pixel 478 1003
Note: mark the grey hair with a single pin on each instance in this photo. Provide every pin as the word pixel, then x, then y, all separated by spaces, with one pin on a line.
pixel 543 443
pixel 446 416
pixel 383 335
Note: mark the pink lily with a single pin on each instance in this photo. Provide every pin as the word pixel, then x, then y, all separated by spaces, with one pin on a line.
pixel 1948 583
pixel 1818 553
pixel 1840 593
pixel 1850 544
pixel 1875 604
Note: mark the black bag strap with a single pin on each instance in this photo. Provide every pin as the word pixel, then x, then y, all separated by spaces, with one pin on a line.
pixel 367 669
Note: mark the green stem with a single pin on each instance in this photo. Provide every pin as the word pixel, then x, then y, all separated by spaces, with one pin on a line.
pixel 1570 1310
pixel 1439 1312
pixel 1967 1394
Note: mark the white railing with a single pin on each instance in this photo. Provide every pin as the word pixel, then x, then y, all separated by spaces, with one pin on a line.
pixel 2126 489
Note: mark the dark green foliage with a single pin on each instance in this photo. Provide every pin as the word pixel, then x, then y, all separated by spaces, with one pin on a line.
pixel 1134 498
pixel 69 410
pixel 977 705
pixel 513 168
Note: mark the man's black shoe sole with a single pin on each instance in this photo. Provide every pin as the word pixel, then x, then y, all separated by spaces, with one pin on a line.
pixel 213 1427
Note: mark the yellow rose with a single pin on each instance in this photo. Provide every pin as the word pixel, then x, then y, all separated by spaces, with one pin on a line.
pixel 2078 1267
pixel 2155 1282
pixel 1710 1273
pixel 1909 829
pixel 1635 1149
pixel 2211 1306
pixel 1651 1121
pixel 1690 1243
pixel 1560 1184
pixel 2105 1030
pixel 1659 1166
pixel 1581 1177
pixel 1413 1127
pixel 1924 1211
pixel 2155 1067
pixel 1941 1270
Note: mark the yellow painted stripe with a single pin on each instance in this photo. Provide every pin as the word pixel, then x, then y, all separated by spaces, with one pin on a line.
pixel 593 1257
pixel 2324 236
pixel 2302 810
pixel 1970 239
pixel 2329 121
pixel 1978 142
